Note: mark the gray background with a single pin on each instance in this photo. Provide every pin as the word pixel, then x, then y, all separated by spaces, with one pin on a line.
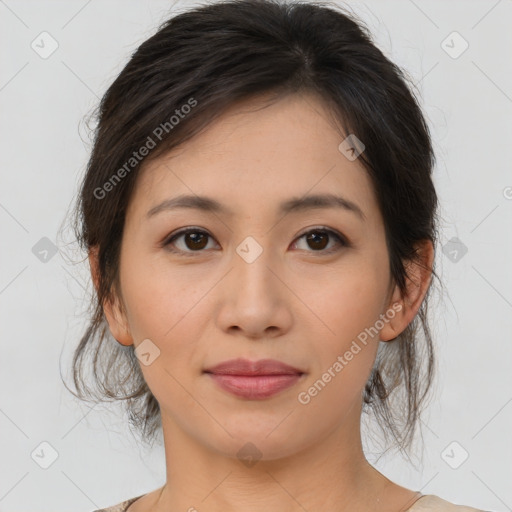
pixel 467 99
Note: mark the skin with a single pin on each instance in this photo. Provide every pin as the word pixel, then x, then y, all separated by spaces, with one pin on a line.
pixel 294 303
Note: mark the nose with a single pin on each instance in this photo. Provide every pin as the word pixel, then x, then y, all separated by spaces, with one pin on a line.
pixel 255 300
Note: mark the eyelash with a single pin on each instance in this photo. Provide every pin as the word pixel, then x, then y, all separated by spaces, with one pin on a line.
pixel 340 239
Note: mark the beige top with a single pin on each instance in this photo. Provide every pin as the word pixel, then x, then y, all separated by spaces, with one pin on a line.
pixel 427 503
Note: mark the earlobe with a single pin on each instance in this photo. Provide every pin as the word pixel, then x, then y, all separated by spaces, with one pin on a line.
pixel 116 320
pixel 395 321
pixel 419 275
pixel 117 323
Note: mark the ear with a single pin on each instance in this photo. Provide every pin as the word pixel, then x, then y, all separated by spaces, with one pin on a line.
pixel 115 318
pixel 407 304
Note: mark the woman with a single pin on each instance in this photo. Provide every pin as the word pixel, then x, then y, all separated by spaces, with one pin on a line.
pixel 260 221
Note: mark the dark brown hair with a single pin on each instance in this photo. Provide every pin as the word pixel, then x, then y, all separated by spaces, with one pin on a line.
pixel 209 58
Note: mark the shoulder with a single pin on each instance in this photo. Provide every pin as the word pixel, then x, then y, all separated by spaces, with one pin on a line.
pixel 431 503
pixel 120 507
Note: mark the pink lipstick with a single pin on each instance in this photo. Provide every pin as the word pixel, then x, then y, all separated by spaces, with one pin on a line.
pixel 254 380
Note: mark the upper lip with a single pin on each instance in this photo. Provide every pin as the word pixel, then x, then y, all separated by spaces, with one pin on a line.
pixel 242 366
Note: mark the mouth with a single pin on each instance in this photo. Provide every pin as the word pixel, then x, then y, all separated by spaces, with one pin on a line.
pixel 254 380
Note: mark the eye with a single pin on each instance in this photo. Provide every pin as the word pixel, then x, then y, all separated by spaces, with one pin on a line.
pixel 194 240
pixel 318 239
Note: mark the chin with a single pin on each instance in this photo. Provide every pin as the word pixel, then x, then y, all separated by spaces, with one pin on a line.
pixel 252 440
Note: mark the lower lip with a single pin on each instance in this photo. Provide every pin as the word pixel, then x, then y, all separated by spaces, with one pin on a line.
pixel 256 387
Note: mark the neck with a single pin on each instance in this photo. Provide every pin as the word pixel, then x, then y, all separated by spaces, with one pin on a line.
pixel 331 475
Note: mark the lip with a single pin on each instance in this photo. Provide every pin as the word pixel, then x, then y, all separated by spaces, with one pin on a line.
pixel 254 380
pixel 242 366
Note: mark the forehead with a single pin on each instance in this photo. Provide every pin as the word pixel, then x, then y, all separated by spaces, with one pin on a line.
pixel 259 154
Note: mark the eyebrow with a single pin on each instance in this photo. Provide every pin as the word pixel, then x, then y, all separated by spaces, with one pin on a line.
pixel 299 204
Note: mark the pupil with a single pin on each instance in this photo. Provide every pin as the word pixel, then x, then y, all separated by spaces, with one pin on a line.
pixel 196 242
pixel 313 238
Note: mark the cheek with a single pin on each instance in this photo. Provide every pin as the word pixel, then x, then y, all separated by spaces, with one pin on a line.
pixel 164 307
pixel 159 299
pixel 348 303
pixel 167 306
pixel 347 300
pixel 341 360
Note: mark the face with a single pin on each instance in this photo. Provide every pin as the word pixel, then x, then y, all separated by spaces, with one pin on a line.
pixel 260 276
